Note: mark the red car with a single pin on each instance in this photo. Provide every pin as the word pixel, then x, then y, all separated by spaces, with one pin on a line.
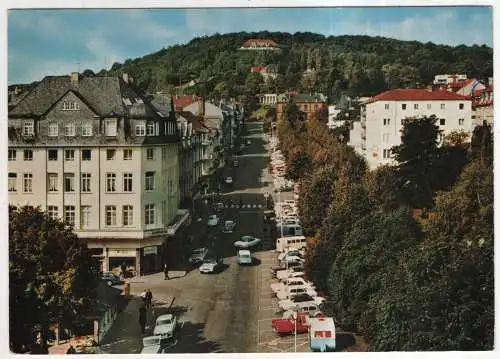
pixel 287 326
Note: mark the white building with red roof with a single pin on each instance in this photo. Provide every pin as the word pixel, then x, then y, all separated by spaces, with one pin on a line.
pixel 382 118
pixel 260 44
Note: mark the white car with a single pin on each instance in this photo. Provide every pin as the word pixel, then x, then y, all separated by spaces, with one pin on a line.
pixel 229 180
pixel 291 304
pixel 244 257
pixel 213 220
pixel 247 242
pixel 310 308
pixel 290 254
pixel 288 282
pixel 165 326
pixel 292 259
pixel 198 255
pixel 211 265
pixel 289 273
pixel 228 227
pixel 151 345
pixel 290 291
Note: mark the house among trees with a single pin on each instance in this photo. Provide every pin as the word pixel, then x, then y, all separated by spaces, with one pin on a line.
pixel 268 72
pixel 260 44
pixel 307 104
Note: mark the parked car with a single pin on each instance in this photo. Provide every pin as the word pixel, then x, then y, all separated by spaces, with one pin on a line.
pixel 213 220
pixel 228 226
pixel 288 326
pixel 152 345
pixel 292 259
pixel 198 255
pixel 165 326
pixel 291 303
pixel 244 257
pixel 286 266
pixel 247 242
pixel 211 265
pixel 289 273
pixel 288 282
pixel 312 309
pixel 290 254
pixel 290 291
pixel 229 180
pixel 111 278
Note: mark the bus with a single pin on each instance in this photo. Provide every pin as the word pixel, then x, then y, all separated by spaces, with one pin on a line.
pixel 284 244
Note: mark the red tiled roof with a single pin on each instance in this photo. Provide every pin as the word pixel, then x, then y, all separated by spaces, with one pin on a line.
pixel 258 69
pixel 416 95
pixel 183 101
pixel 261 42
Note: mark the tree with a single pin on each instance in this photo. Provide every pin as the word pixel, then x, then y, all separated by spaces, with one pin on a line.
pixel 298 163
pixel 291 111
pixel 482 144
pixel 253 83
pixel 50 274
pixel 416 157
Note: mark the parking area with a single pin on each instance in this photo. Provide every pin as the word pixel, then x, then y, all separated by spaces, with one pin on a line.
pixel 267 340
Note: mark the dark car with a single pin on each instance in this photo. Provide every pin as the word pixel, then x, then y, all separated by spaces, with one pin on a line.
pixel 111 278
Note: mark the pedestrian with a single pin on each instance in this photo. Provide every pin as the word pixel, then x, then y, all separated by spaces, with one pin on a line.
pixel 142 318
pixel 149 298
pixel 165 271
pixel 123 268
pixel 144 297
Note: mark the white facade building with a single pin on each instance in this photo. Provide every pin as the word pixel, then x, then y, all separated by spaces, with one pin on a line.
pixel 449 79
pixel 382 119
pixel 332 117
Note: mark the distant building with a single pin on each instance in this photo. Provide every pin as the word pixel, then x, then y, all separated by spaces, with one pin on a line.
pixel 268 72
pixel 307 104
pixel 382 119
pixel 482 106
pixel 260 44
pixel 333 122
pixel 268 98
pixel 449 79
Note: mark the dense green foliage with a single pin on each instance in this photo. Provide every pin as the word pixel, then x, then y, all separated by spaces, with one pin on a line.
pixel 357 65
pixel 50 275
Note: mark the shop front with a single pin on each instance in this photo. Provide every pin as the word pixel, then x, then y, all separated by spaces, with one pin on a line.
pixel 119 257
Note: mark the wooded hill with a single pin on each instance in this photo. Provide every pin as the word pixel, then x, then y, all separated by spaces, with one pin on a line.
pixel 354 65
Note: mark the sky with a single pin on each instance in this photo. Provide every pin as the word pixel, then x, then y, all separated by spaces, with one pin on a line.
pixel 57 42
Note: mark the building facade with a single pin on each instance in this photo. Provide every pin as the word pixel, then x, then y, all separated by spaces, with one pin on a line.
pixel 95 153
pixel 308 104
pixel 382 119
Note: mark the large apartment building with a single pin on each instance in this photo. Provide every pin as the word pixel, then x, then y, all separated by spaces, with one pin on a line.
pixel 94 152
pixel 382 119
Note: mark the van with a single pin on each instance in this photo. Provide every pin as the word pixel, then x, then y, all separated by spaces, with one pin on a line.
pixel 244 257
pixel 289 230
pixel 322 334
pixel 290 243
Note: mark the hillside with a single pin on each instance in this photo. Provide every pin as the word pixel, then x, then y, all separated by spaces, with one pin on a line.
pixel 357 65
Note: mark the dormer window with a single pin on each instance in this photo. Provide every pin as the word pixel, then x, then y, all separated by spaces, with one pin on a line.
pixel 29 128
pixel 70 106
pixel 110 127
pixel 140 129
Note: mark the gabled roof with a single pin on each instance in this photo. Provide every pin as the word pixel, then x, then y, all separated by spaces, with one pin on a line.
pixel 183 101
pixel 104 94
pixel 260 42
pixel 416 95
pixel 162 103
pixel 196 121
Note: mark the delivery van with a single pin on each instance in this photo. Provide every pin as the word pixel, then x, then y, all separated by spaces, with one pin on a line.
pixel 322 334
pixel 290 243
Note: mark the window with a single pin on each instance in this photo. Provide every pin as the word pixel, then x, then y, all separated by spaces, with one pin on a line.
pixel 127 154
pixel 69 129
pixel 149 183
pixel 69 155
pixel 53 212
pixel 52 154
pixel 386 153
pixel 110 155
pixel 150 153
pixel 149 214
pixel 52 182
pixel 69 182
pixel 150 129
pixel 69 215
pixel 415 106
pixel 127 182
pixel 53 129
pixel 86 155
pixel 85 182
pixel 128 215
pixel 460 106
pixel 442 121
pixel 443 106
pixel 84 216
pixel 429 106
pixel 87 130
pixel 110 215
pixel 164 211
pixel 403 121
pixel 305 107
pixel 12 155
pixel 29 128
pixel 140 129
pixel 163 152
pixel 461 121
pixel 28 155
pixel 403 106
pixel 110 127
pixel 110 182
pixel 441 138
pixel 12 182
pixel 70 106
pixel 386 106
pixel 387 121
pixel 28 183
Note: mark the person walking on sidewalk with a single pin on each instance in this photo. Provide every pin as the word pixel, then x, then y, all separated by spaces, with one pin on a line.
pixel 142 318
pixel 144 297
pixel 165 271
pixel 149 298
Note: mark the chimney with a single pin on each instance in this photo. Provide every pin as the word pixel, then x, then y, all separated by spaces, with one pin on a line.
pixel 125 77
pixel 74 78
pixel 201 107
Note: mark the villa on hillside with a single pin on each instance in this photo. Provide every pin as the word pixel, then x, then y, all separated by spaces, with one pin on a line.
pixel 260 44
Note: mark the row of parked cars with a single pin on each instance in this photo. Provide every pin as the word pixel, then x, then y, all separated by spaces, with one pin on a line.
pixel 164 330
pixel 277 167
